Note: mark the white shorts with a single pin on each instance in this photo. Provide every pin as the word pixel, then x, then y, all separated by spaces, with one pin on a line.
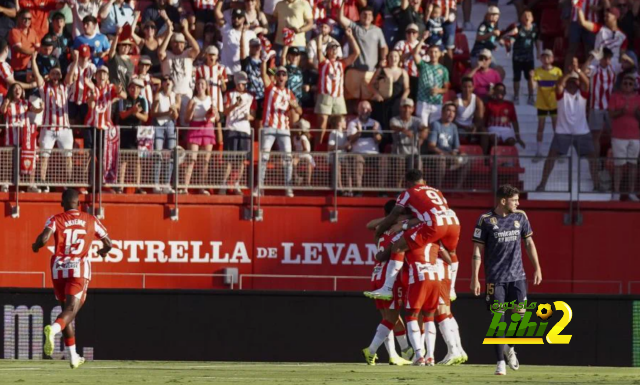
pixel 63 137
pixel 428 112
pixel 627 149
pixel 503 133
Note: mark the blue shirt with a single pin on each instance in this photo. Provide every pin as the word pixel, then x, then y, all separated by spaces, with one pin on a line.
pixel 501 239
pixel 99 46
pixel 295 81
pixel 118 16
pixel 255 85
pixel 444 136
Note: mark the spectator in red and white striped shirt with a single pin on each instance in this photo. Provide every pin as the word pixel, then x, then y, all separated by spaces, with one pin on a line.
pixel 406 47
pixel 55 124
pixel 6 72
pixel 578 34
pixel 602 76
pixel 100 98
pixel 215 75
pixel 608 35
pixel 278 102
pixel 331 80
pixel 79 73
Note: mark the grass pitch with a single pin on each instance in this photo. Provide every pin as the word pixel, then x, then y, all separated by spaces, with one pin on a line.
pixel 149 372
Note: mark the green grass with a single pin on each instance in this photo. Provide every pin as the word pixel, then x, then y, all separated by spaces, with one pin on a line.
pixel 150 372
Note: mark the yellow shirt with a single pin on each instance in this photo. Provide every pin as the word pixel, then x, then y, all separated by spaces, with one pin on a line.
pixel 547 87
pixel 293 15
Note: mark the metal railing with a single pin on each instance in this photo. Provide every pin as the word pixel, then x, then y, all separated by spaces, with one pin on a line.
pixel 616 175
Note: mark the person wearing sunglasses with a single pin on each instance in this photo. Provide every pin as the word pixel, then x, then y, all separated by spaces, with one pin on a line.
pixel 624 112
pixel 24 42
pixel 484 77
pixel 114 14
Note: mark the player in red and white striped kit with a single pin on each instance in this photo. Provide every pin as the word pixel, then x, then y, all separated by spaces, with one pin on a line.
pixel 74 233
pixel 55 124
pixel 391 324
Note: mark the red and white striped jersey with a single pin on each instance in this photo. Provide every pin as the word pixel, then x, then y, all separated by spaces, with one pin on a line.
pixel 444 270
pixel 589 9
pixel 147 91
pixel 318 9
pixel 74 233
pixel 447 6
pixel 100 115
pixel 214 75
pixel 56 107
pixel 409 64
pixel 331 78
pixel 276 107
pixel 6 72
pixel 427 203
pixel 78 95
pixel 616 41
pixel 205 4
pixel 422 264
pixel 602 82
pixel 16 118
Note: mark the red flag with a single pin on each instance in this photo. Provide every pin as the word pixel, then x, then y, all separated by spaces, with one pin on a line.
pixel 111 151
pixel 28 149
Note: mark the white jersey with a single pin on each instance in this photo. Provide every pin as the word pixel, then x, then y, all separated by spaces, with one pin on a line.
pixel 465 115
pixel 572 113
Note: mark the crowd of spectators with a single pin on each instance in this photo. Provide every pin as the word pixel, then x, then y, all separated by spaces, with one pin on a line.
pixel 373 76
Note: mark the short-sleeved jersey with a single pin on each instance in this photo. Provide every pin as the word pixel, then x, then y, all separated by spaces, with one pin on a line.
pixel 500 113
pixel 427 204
pixel 276 107
pixel 73 232
pixel 547 80
pixel 380 268
pixel 501 238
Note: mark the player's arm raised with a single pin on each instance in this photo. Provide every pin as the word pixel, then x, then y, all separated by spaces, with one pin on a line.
pixel 42 239
pixel 389 221
pixel 532 252
pixel 476 261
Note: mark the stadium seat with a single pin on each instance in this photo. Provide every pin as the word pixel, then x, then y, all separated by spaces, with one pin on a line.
pixel 508 160
pixel 480 172
pixel 462 44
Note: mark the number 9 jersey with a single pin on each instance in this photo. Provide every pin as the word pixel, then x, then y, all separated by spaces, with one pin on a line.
pixel 74 233
pixel 439 222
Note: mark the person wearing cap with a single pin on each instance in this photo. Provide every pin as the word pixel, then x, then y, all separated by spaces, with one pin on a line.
pixel 55 125
pixel 330 99
pixel 79 73
pixel 408 132
pixel 165 113
pixel 608 34
pixel 523 57
pixel 45 58
pixel 405 47
pixel 625 135
pixel 279 102
pixel 433 83
pixel 81 9
pixel 488 35
pixel 256 20
pixel 325 26
pixel 240 110
pixel 178 63
pixel 98 42
pixel 121 67
pixel 24 42
pixel 444 141
pixel 545 79
pixel 572 128
pixel 150 83
pixel 235 37
pixel 409 12
pixel 114 14
pixel 297 16
pixel 62 39
pixel 252 66
pixel 215 74
pixel 373 48
pixel 484 77
pixel 295 82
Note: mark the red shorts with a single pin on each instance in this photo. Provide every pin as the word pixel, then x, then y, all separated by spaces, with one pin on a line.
pixel 76 287
pixel 423 295
pixel 451 238
pixel 423 234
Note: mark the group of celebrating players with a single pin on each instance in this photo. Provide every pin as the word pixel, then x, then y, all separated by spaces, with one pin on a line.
pixel 417 267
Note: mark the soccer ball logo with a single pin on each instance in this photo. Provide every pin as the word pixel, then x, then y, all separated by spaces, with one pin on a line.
pixel 547 311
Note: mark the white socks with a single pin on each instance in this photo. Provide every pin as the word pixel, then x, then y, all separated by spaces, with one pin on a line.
pixel 430 333
pixel 453 271
pixel 390 344
pixel 393 268
pixel 402 340
pixel 449 337
pixel 71 352
pixel 55 328
pixel 456 334
pixel 413 330
pixel 382 334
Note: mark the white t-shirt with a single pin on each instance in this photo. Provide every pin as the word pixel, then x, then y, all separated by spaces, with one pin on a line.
pixel 366 144
pixel 82 10
pixel 238 119
pixel 230 52
pixel 180 68
pixel 312 49
pixel 164 103
pixel 572 113
pixel 337 139
pixel 200 109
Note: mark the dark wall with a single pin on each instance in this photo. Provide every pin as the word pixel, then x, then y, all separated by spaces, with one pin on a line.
pixel 324 327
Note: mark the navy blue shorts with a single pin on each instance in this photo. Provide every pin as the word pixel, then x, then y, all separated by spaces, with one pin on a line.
pixel 506 292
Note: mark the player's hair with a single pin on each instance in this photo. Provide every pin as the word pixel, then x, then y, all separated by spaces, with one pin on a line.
pixel 607 53
pixel 388 207
pixel 413 176
pixel 466 79
pixel 70 195
pixel 506 191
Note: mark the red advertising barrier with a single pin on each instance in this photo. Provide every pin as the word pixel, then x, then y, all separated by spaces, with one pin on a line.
pixel 297 247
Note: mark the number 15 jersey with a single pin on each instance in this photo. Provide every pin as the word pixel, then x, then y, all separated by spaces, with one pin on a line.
pixel 73 232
